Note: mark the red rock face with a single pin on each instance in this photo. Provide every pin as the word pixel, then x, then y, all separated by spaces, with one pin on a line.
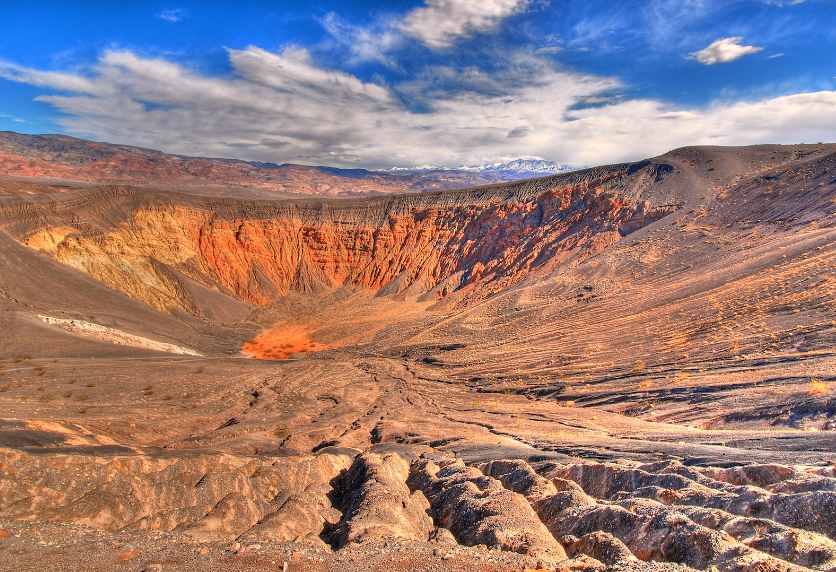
pixel 468 244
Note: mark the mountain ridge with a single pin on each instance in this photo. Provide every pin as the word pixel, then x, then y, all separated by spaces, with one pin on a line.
pixel 62 160
pixel 520 167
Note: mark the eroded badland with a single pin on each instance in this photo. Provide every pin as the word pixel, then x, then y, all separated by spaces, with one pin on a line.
pixel 625 367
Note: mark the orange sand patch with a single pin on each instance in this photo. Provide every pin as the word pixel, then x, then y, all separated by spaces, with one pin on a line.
pixel 280 343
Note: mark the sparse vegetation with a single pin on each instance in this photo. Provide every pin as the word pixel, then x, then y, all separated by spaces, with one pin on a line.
pixel 82 397
pixel 817 387
pixel 46 398
pixel 281 432
pixel 168 397
pixel 40 370
pixel 21 359
pixel 149 389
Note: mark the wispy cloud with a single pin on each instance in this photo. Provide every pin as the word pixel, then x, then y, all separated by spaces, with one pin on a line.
pixel 365 43
pixel 172 14
pixel 286 107
pixel 723 50
pixel 12 118
pixel 439 23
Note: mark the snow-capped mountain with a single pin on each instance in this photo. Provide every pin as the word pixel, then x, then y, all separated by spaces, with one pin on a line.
pixel 529 167
pixel 521 166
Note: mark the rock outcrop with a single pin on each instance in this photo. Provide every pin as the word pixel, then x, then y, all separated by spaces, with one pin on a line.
pixel 478 510
pixel 377 503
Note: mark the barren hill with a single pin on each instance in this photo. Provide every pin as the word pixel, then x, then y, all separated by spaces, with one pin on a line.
pixel 625 364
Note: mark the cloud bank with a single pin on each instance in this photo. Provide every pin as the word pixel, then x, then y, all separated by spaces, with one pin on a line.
pixel 285 107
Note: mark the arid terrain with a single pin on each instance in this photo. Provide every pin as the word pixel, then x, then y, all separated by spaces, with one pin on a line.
pixel 31 164
pixel 629 367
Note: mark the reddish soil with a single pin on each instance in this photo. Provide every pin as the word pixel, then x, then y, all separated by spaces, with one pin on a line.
pixel 280 343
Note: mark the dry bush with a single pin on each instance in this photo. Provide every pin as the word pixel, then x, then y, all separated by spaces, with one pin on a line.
pixel 817 387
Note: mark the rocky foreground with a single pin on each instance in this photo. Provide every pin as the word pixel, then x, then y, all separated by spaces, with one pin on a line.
pixel 384 508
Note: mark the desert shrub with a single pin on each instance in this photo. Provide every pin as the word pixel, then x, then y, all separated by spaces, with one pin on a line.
pixel 817 387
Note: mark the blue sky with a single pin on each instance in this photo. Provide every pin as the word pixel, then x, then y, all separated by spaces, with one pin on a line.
pixel 443 82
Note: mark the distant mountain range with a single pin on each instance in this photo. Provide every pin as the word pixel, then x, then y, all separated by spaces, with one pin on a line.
pixel 521 167
pixel 64 162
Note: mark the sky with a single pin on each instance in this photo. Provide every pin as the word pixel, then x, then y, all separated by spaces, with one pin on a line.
pixel 374 84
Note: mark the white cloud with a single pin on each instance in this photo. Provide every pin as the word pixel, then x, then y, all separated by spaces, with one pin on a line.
pixel 723 50
pixel 56 80
pixel 283 107
pixel 440 22
pixel 366 43
pixel 172 14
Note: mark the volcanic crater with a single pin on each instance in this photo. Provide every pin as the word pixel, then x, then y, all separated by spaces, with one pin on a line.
pixel 624 367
